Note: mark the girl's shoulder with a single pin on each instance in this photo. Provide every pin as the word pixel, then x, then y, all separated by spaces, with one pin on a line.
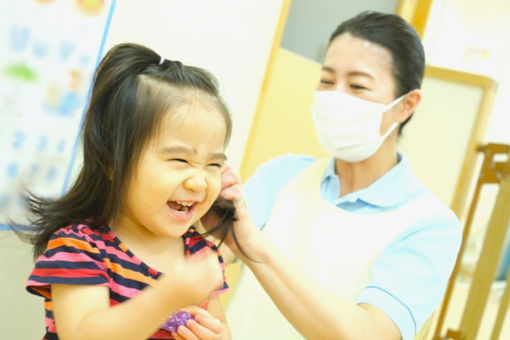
pixel 195 241
pixel 82 234
pixel 83 229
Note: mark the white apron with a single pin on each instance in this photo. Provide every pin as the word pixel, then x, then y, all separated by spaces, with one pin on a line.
pixel 334 247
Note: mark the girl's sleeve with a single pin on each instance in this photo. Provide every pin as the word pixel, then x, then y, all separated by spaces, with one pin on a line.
pixel 194 243
pixel 224 287
pixel 71 257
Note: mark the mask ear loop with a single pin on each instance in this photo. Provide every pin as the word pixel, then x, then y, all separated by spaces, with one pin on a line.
pixel 389 107
pixel 395 102
pixel 390 130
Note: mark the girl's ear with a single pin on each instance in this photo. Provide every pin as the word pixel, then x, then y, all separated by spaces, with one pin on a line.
pixel 408 105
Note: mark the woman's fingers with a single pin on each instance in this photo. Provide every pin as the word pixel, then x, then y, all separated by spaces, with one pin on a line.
pixel 233 193
pixel 229 176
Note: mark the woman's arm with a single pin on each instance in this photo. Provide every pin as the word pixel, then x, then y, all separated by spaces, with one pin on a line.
pixel 313 311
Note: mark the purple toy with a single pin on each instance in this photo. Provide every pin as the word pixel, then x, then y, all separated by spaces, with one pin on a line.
pixel 177 319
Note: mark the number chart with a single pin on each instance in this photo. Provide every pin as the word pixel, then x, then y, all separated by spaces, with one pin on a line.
pixel 48 53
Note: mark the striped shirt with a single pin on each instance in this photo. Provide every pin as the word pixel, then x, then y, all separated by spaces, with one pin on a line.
pixel 79 255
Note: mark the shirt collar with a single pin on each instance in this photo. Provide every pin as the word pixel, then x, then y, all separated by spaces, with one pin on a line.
pixel 394 188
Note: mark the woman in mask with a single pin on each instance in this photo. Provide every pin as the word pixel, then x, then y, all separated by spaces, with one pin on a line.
pixel 351 247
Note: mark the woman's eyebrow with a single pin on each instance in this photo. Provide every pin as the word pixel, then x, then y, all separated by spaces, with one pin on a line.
pixel 360 73
pixel 331 70
pixel 328 69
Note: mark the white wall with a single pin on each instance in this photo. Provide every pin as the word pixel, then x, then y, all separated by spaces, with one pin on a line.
pixel 232 39
pixel 472 36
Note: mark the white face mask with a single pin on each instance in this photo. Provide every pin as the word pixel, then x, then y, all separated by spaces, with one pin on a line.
pixel 347 126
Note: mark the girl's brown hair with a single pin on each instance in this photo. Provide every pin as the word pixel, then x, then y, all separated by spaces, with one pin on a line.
pixel 133 89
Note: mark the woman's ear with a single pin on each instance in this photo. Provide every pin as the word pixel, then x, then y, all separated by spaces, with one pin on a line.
pixel 408 105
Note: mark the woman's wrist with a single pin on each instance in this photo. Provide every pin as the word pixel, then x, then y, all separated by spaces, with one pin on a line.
pixel 255 249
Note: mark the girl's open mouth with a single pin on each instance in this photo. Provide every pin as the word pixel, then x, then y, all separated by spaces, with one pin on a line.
pixel 181 210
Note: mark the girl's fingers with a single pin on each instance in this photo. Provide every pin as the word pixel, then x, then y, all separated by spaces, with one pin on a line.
pixel 177 336
pixel 210 323
pixel 195 331
pixel 204 318
pixel 196 310
pixel 203 325
pixel 186 333
pixel 203 332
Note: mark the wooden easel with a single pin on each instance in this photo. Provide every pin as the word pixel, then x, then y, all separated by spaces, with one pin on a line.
pixel 492 172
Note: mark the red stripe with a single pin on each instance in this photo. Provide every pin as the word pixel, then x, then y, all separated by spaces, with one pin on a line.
pixel 70 257
pixel 68 273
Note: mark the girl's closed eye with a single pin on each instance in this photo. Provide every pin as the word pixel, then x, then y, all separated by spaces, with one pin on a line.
pixel 179 160
pixel 180 163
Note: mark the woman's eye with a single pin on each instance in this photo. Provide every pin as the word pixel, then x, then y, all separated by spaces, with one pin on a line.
pixel 357 87
pixel 326 82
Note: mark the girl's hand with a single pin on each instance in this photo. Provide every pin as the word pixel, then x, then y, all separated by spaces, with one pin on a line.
pixel 203 326
pixel 199 275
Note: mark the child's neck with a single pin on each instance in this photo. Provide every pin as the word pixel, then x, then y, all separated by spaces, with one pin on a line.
pixel 156 251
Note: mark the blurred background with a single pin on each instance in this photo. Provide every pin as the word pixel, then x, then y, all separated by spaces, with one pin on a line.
pixel 266 55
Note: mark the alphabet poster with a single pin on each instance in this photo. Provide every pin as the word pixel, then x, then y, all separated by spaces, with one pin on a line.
pixel 49 50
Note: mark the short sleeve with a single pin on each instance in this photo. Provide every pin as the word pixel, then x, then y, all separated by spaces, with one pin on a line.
pixel 194 242
pixel 264 187
pixel 410 276
pixel 71 257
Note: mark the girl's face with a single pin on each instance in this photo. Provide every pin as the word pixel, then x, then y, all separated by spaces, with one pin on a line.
pixel 178 175
pixel 359 68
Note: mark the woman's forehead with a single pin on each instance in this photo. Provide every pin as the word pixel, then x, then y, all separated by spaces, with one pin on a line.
pixel 347 52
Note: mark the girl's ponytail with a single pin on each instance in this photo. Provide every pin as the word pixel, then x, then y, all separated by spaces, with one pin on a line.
pixel 134 87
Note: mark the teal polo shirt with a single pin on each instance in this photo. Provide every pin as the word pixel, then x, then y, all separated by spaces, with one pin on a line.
pixel 410 276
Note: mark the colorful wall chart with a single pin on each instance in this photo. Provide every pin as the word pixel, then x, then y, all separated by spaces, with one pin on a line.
pixel 48 53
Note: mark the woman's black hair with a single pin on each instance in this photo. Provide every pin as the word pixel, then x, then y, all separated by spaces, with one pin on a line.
pixel 133 89
pixel 399 38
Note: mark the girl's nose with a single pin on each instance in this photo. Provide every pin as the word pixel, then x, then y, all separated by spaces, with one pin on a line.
pixel 196 182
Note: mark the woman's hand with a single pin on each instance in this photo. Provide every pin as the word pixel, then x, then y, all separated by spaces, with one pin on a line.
pixel 244 228
pixel 203 326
